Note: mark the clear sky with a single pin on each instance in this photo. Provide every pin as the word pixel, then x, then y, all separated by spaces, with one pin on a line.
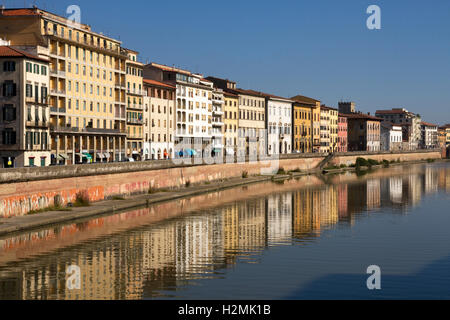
pixel 320 49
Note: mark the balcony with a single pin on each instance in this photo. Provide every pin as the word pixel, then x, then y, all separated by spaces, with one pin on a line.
pixel 61 129
pixel 135 121
pixel 55 110
pixel 135 106
pixel 56 73
pixel 38 124
pixel 135 92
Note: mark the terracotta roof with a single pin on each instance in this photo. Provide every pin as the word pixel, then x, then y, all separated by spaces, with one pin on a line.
pixel 7 51
pixel 393 111
pixel 246 92
pixel 19 12
pixel 324 107
pixel 268 95
pixel 226 92
pixel 429 124
pixel 363 116
pixel 167 68
pixel 303 99
pixel 158 83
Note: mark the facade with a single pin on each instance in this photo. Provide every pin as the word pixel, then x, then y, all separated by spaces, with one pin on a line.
pixel 303 127
pixel 278 124
pixel 328 129
pixel 231 121
pixel 446 129
pixel 391 137
pixel 342 133
pixel 24 118
pixel 135 106
pixel 363 132
pixel 193 108
pixel 315 108
pixel 252 123
pixel 159 120
pixel 325 134
pixel 429 138
pixel 410 122
pixel 217 132
pixel 87 91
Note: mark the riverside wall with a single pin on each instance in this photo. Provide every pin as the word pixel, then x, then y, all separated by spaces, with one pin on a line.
pixel 27 189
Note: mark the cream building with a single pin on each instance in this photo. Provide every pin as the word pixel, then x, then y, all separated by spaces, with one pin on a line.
pixel 193 108
pixel 231 122
pixel 135 107
pixel 24 118
pixel 87 83
pixel 159 120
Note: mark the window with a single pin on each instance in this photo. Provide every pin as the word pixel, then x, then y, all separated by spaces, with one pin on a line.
pixel 9 112
pixel 29 67
pixel 36 69
pixel 9 137
pixel 44 70
pixel 9 89
pixel 9 66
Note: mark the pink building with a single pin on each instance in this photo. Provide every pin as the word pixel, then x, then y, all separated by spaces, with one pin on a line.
pixel 342 133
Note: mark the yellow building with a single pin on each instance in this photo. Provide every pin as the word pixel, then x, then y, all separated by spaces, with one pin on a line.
pixel 135 106
pixel 303 129
pixel 231 121
pixel 315 114
pixel 328 129
pixel 87 90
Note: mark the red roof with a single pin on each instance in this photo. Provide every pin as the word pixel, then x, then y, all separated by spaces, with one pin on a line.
pixel 393 111
pixel 158 83
pixel 19 12
pixel 324 107
pixel 7 51
pixel 363 116
pixel 429 124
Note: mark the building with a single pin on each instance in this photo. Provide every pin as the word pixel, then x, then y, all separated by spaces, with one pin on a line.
pixel 446 129
pixel 217 132
pixel 24 118
pixel 193 131
pixel 278 124
pixel 347 107
pixel 315 108
pixel 363 132
pixel 251 118
pixel 230 113
pixel 159 120
pixel 303 127
pixel 410 122
pixel 391 137
pixel 429 138
pixel 231 122
pixel 135 107
pixel 342 133
pixel 328 129
pixel 252 123
pixel 87 91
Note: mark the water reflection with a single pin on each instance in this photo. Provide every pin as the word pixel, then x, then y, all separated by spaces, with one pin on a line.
pixel 162 250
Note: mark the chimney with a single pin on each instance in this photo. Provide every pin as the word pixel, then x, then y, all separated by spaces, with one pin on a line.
pixel 2 8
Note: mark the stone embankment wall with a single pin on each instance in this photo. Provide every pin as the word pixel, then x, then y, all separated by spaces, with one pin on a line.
pixel 26 189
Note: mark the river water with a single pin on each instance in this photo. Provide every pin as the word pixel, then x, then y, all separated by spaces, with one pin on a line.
pixel 307 238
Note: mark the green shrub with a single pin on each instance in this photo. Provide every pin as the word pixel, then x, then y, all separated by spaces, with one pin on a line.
pixel 244 175
pixel 188 184
pixel 281 171
pixel 343 166
pixel 373 162
pixel 82 199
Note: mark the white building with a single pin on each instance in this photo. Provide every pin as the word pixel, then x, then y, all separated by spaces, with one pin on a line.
pixel 391 137
pixel 217 132
pixel 278 124
pixel 410 122
pixel 193 106
pixel 429 135
pixel 25 114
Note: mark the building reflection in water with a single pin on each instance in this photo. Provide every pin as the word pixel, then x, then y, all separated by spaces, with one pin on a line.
pixel 159 259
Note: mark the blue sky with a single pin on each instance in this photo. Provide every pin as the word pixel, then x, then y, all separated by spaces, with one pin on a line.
pixel 321 49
